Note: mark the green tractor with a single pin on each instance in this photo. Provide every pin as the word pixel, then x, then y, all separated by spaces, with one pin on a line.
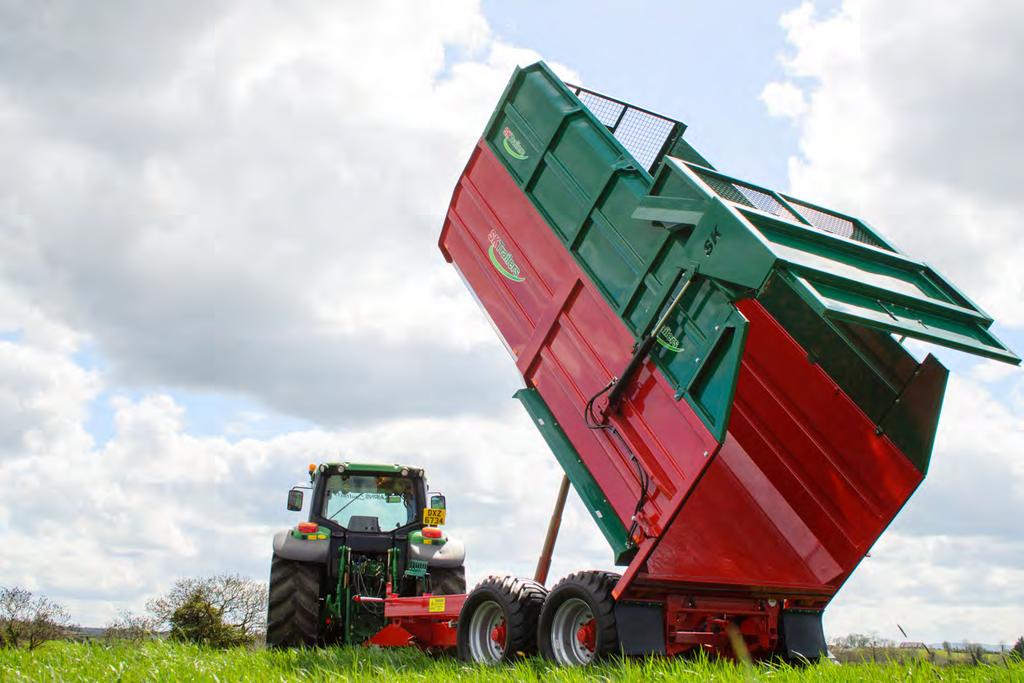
pixel 372 534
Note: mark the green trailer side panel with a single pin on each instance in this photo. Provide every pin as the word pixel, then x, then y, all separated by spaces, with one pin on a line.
pixel 913 420
pixel 568 457
pixel 699 349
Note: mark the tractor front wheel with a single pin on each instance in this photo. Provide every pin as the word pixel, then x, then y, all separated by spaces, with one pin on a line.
pixel 293 610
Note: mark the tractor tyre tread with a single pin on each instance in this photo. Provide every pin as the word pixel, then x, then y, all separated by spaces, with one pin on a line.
pixel 293 606
pixel 448 581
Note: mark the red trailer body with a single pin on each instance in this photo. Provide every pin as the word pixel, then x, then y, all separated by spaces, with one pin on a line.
pixel 743 519
pixel 762 524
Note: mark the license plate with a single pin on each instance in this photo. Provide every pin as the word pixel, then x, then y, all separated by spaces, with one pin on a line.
pixel 433 516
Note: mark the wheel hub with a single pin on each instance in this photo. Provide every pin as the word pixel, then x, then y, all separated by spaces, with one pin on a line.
pixel 586 635
pixel 488 633
pixel 499 633
pixel 573 634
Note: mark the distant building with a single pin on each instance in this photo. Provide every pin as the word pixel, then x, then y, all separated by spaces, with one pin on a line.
pixel 912 645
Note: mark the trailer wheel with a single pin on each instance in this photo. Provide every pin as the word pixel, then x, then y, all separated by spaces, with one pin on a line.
pixel 498 621
pixel 577 625
pixel 448 581
pixel 293 610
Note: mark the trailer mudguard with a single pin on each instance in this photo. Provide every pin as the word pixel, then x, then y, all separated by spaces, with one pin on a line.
pixel 803 635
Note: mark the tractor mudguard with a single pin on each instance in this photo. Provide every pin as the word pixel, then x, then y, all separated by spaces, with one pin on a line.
pixel 451 554
pixel 299 549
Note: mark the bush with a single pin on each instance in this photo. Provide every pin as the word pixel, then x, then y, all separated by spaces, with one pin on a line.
pixel 1018 648
pixel 197 621
pixel 219 610
pixel 131 627
pixel 29 621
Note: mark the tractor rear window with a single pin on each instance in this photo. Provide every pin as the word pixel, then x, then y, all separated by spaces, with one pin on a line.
pixel 368 502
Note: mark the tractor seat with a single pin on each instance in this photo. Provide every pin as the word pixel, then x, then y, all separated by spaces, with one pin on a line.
pixel 364 523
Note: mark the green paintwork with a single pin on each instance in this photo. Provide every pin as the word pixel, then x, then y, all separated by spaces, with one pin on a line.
pixel 309 537
pixel 703 362
pixel 633 232
pixel 417 538
pixel 339 604
pixel 371 467
pixel 580 477
pixel 417 569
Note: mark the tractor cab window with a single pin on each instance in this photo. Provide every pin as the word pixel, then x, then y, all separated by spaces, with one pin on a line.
pixel 369 502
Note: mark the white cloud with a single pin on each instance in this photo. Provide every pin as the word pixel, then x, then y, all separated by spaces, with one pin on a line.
pixel 251 203
pixel 936 588
pixel 909 124
pixel 784 99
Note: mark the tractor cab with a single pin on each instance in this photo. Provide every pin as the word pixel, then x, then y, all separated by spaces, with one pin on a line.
pixel 354 498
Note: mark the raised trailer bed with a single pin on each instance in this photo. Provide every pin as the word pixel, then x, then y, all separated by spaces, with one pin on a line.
pixel 717 367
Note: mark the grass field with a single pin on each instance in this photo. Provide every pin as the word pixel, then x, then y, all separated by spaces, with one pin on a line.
pixel 162 661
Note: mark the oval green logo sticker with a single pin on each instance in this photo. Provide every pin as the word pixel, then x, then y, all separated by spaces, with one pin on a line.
pixel 501 258
pixel 668 340
pixel 513 147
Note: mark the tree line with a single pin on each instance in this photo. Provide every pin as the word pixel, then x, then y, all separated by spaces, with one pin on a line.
pixel 859 647
pixel 225 610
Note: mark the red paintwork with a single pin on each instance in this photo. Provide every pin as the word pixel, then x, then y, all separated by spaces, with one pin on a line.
pixel 568 344
pixel 392 635
pixel 783 510
pixel 395 607
pixel 410 622
pixel 587 635
pixel 499 634
pixel 703 622
pixel 800 490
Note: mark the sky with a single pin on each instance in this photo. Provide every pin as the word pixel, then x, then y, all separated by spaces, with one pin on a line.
pixel 218 263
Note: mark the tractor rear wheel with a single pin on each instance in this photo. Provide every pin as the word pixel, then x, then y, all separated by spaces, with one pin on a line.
pixel 577 625
pixel 498 622
pixel 293 610
pixel 448 580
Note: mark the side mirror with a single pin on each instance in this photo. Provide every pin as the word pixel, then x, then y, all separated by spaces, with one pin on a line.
pixel 295 500
pixel 437 501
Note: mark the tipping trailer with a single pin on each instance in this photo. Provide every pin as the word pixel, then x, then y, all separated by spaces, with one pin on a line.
pixel 718 368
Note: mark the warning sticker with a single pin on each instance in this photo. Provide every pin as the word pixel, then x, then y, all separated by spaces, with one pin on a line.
pixel 435 605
